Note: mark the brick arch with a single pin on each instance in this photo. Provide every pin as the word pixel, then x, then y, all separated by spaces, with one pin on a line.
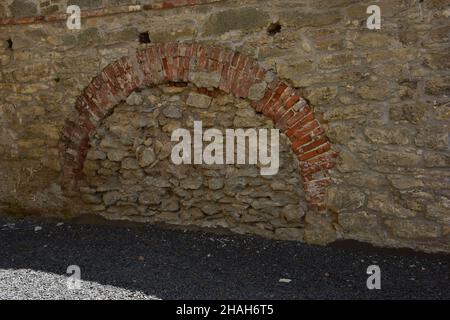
pixel 229 71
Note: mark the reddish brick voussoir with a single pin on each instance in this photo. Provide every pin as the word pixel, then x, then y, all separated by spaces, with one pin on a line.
pixel 175 62
pixel 295 118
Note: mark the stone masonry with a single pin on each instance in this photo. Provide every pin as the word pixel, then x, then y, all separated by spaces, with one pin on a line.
pixel 86 115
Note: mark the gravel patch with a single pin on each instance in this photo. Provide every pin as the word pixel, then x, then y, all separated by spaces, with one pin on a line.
pixel 25 284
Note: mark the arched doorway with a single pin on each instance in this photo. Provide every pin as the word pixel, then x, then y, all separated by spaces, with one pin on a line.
pixel 211 70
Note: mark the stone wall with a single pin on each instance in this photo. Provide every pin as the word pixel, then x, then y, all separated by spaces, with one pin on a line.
pixel 129 174
pixel 380 96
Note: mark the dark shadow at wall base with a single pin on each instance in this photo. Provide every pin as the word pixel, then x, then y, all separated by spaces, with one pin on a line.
pixel 176 264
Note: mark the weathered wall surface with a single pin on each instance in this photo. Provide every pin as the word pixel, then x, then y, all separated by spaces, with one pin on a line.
pixel 129 174
pixel 382 98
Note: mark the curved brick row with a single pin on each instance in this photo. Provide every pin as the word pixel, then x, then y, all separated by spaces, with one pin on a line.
pixel 235 73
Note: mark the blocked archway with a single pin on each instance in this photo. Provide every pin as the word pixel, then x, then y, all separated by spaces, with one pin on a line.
pixel 229 71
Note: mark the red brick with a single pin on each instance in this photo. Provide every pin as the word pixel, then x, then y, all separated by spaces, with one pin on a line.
pixel 243 60
pixel 84 103
pixel 73 131
pixel 99 93
pixel 287 94
pixel 302 127
pixel 172 49
pixel 269 110
pixel 269 104
pixel 231 78
pixel 235 59
pixel 298 142
pixel 161 49
pixel 226 56
pixel 202 56
pixel 120 77
pixel 298 117
pixel 292 101
pixel 261 75
pixel 306 129
pixel 280 89
pixel 272 103
pixel 85 122
pixel 258 105
pixel 322 162
pixel 235 82
pixel 281 122
pixel 308 155
pixel 244 86
pixel 316 143
pixel 215 54
pixel 318 185
pixel 223 84
pixel 167 69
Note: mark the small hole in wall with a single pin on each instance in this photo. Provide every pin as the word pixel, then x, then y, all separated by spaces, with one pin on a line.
pixel 274 28
pixel 9 44
pixel 144 37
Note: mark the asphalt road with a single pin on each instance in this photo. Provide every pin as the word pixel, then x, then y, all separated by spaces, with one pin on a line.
pixel 145 262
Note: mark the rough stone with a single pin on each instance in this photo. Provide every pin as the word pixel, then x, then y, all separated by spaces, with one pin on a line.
pixel 321 95
pixel 413 113
pixel 168 216
pixel 172 112
pixel 439 212
pixel 91 198
pixel 320 230
pixel 399 157
pixel 96 155
pixel 157 182
pixel 405 182
pixel 205 79
pixel 146 156
pixel 116 155
pixel 89 37
pixel 293 214
pixel 192 214
pixel 192 183
pixel 435 159
pixel 134 99
pixel 87 4
pixel 414 228
pixel 150 198
pixel 130 163
pixel 433 138
pixel 290 233
pixel 170 204
pixel 362 225
pixel 384 135
pixel 374 92
pixel 110 198
pixel 301 19
pixel 110 142
pixel 211 208
pixel 438 86
pixel 342 198
pixel 198 100
pixel 256 91
pixel 244 18
pixel 23 8
pixel 216 183
pixel 385 203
